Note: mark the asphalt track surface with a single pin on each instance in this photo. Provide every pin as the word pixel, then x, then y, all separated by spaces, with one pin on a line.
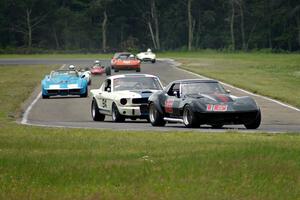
pixel 75 111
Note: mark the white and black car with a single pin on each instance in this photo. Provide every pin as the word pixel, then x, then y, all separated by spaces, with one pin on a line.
pixel 124 96
pixel 147 56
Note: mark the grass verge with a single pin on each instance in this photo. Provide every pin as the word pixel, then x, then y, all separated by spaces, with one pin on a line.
pixel 57 163
pixel 273 75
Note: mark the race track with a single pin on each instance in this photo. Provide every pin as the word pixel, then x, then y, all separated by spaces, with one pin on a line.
pixel 75 111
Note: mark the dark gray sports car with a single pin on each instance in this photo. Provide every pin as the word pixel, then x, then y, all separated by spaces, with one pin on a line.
pixel 194 102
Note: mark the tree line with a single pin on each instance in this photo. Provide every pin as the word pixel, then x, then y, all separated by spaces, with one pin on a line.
pixel 111 25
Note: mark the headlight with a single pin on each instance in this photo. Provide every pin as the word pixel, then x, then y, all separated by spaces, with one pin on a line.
pixel 123 101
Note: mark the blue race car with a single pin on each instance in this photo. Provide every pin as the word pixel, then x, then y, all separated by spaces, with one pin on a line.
pixel 63 83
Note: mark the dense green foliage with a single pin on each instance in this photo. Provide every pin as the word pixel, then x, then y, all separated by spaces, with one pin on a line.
pixel 56 163
pixel 109 25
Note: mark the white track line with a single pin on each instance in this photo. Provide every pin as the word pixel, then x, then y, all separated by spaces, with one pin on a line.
pixel 28 109
pixel 177 64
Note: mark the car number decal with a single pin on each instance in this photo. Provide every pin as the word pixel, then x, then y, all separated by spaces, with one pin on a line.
pixel 220 108
pixel 126 62
pixel 71 86
pixel 104 103
pixel 169 106
pixel 54 86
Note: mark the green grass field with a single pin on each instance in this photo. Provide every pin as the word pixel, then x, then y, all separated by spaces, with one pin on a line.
pixel 56 163
pixel 273 75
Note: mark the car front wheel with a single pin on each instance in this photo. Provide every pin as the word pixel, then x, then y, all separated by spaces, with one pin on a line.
pixel 155 117
pixel 256 123
pixel 115 114
pixel 96 115
pixel 189 118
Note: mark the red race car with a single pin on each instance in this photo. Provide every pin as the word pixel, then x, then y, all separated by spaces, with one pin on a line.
pixel 99 69
pixel 125 61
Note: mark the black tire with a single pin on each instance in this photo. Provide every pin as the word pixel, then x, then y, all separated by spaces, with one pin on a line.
pixel 90 82
pixel 189 118
pixel 153 61
pixel 138 70
pixel 155 117
pixel 108 71
pixel 116 116
pixel 96 115
pixel 256 123
pixel 217 126
pixel 45 96
pixel 85 94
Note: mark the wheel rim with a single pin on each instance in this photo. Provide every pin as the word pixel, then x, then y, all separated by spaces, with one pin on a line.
pixel 113 113
pixel 93 110
pixel 152 114
pixel 186 117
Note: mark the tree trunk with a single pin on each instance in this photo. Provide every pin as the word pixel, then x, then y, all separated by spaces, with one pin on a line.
pixel 29 28
pixel 154 16
pixel 298 28
pixel 242 25
pixel 55 38
pixel 190 25
pixel 152 35
pixel 104 26
pixel 232 26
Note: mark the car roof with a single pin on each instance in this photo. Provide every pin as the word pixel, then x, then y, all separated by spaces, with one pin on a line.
pixel 131 75
pixel 186 81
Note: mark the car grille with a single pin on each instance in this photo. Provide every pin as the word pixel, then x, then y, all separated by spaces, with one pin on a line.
pixel 140 100
pixel 64 92
pixel 144 110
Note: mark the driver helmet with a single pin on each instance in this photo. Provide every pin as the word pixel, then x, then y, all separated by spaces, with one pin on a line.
pixel 71 67
pixel 97 62
pixel 131 56
pixel 149 50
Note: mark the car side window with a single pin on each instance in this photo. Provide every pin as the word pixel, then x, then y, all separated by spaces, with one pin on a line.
pixel 107 86
pixel 173 88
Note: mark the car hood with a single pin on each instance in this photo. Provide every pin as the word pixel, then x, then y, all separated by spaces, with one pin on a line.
pixel 135 93
pixel 234 103
pixel 63 80
pixel 218 98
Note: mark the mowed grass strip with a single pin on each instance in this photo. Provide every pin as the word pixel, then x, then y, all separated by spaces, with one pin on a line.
pixel 57 163
pixel 273 75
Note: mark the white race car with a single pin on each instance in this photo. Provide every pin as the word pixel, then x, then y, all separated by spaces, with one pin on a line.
pixel 87 75
pixel 124 96
pixel 147 56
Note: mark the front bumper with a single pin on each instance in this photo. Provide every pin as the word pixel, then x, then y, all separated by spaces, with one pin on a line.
pixel 140 111
pixel 227 117
pixel 64 91
pixel 126 67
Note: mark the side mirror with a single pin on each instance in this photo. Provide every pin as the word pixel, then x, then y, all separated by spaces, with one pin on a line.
pixel 82 76
pixel 177 94
pixel 228 91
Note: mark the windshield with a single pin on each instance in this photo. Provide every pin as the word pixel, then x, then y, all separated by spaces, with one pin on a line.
pixel 136 83
pixel 202 88
pixel 64 73
pixel 124 56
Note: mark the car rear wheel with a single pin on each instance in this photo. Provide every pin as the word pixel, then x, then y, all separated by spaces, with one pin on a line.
pixel 108 71
pixel 138 70
pixel 256 123
pixel 153 61
pixel 115 114
pixel 155 117
pixel 189 118
pixel 96 115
